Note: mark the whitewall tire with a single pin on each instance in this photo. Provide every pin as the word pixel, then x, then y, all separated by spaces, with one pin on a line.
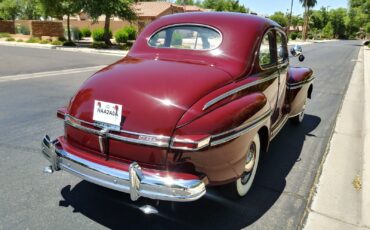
pixel 245 182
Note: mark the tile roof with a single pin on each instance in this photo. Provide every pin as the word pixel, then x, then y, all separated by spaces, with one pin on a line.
pixel 189 8
pixel 153 9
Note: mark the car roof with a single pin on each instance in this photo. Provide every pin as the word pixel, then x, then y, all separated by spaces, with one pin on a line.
pixel 241 33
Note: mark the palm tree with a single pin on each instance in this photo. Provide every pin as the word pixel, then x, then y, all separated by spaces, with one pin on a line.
pixel 307 4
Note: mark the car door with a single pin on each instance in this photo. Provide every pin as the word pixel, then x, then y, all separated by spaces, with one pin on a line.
pixel 283 64
pixel 269 72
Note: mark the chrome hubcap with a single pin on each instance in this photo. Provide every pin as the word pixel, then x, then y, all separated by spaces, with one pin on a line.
pixel 249 165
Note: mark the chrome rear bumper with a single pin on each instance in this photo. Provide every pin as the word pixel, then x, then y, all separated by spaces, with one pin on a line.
pixel 136 181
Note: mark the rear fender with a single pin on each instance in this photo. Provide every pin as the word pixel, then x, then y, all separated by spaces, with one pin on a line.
pixel 299 88
pixel 231 129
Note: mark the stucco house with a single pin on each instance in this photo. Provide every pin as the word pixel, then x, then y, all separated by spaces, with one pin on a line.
pixel 149 11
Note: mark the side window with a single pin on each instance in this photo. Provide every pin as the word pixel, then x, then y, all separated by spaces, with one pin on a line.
pixel 282 52
pixel 266 51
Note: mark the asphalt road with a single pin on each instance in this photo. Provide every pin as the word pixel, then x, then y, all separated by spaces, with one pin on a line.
pixel 30 199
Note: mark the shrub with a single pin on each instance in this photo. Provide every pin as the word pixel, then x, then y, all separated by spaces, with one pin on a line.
pixel 176 39
pixel 44 42
pixel 85 32
pixel 75 33
pixel 56 43
pixel 62 39
pixel 69 43
pixel 21 29
pixel 126 46
pixel 131 32
pixel 293 35
pixel 99 45
pixel 33 40
pixel 10 39
pixel 98 34
pixel 20 40
pixel 368 45
pixel 310 36
pixel 121 36
pixel 4 35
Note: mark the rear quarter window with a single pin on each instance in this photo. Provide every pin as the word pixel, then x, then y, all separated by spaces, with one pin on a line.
pixel 189 37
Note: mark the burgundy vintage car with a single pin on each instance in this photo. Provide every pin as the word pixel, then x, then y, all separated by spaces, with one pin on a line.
pixel 193 104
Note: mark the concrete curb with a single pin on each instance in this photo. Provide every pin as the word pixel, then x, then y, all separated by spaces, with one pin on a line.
pixel 28 45
pixel 121 53
pixel 338 200
pixel 299 42
pixel 93 51
pixel 365 206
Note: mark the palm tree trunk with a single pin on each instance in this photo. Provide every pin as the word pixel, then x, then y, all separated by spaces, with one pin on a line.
pixel 304 32
pixel 69 28
pixel 290 20
pixel 106 30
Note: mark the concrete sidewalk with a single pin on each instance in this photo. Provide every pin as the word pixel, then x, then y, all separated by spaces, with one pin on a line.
pixel 114 52
pixel 308 42
pixel 341 196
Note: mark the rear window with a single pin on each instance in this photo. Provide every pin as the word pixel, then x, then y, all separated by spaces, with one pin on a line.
pixel 186 37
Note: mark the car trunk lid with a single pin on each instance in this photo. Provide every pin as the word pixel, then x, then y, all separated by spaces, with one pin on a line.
pixel 154 94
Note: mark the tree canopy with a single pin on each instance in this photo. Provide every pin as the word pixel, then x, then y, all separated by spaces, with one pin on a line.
pixel 225 5
pixel 118 8
pixel 308 3
pixel 10 9
pixel 280 18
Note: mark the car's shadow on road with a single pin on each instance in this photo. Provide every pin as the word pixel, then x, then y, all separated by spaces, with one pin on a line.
pixel 115 210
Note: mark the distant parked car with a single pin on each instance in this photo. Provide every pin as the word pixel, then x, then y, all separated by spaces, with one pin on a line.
pixel 196 101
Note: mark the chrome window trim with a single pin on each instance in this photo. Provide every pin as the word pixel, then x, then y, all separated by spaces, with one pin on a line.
pixel 241 130
pixel 237 90
pixel 285 62
pixel 185 24
pixel 270 65
pixel 161 141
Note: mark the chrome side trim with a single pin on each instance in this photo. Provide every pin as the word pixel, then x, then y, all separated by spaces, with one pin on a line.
pixel 299 84
pixel 135 181
pixel 241 130
pixel 276 130
pixel 237 90
pixel 145 139
pixel 200 144
pixel 294 115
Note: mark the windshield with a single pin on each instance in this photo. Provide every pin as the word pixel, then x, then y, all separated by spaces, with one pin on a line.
pixel 186 37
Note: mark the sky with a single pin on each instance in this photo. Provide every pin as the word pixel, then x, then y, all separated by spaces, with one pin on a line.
pixel 268 7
